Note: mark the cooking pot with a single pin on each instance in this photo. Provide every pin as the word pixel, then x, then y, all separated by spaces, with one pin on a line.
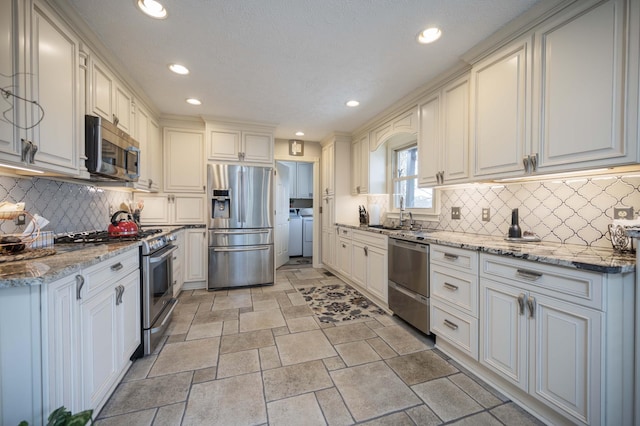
pixel 122 227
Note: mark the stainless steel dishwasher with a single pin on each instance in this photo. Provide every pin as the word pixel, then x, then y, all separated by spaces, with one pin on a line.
pixel 409 282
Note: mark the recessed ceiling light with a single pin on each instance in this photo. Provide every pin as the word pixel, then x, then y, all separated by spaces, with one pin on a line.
pixel 299 133
pixel 352 103
pixel 179 69
pixel 429 35
pixel 152 8
pixel 194 101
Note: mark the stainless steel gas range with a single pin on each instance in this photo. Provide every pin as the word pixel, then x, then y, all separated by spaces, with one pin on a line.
pixel 156 277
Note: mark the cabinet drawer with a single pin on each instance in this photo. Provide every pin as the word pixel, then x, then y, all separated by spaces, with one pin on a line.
pixel 109 271
pixel 568 284
pixel 463 260
pixel 370 238
pixel 456 288
pixel 345 232
pixel 457 328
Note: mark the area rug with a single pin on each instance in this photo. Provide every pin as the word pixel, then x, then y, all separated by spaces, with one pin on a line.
pixel 339 302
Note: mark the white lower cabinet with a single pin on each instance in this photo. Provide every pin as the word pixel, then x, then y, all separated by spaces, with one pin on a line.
pixel 178 261
pixel 195 255
pixel 343 252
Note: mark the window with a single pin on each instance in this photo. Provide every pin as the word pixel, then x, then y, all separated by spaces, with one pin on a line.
pixel 405 182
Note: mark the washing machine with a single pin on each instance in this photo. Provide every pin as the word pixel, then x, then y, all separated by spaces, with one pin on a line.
pixel 295 233
pixel 307 232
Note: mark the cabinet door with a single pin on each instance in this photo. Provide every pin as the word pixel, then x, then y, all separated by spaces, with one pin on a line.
pixel 63 346
pixel 178 260
pixel 455 124
pixel 122 113
pixel 100 357
pixel 328 169
pixel 102 88
pixel 343 256
pixel 566 345
pixel 304 184
pixel 580 78
pixel 129 317
pixel 499 111
pixel 9 78
pixel 195 255
pixel 377 272
pixel 154 147
pixel 55 68
pixel 188 209
pixel 184 168
pixel 429 137
pixel 293 178
pixel 223 145
pixel 356 176
pixel 142 136
pixel 257 147
pixel 503 332
pixel 156 209
pixel 359 264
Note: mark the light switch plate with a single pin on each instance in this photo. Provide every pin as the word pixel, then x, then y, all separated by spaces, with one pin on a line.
pixel 486 214
pixel 623 213
pixel 455 212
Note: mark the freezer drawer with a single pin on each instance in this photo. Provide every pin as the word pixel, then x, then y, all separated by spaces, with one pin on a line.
pixel 410 306
pixel 240 266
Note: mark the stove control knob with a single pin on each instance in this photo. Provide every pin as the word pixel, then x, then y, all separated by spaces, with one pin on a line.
pixel 171 237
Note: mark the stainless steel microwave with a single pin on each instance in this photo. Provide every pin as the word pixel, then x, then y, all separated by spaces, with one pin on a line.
pixel 111 153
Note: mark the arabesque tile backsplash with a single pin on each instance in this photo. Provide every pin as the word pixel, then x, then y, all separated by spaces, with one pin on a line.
pixel 68 206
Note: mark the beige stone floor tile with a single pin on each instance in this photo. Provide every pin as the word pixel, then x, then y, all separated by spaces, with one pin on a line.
pixel 243 341
pixel 261 297
pixel 295 380
pixel 234 301
pixel 179 324
pixel 374 324
pixel 297 299
pixel 139 418
pixel 381 348
pixel 475 390
pixel 283 300
pixel 216 316
pixel 236 400
pixel 279 331
pixel 205 307
pixel 186 299
pixel 423 416
pixel 480 419
pixel 239 290
pixel 395 419
pixel 278 286
pixel 204 375
pixel 309 274
pixel 252 321
pixel 203 331
pixel 297 325
pixel 400 340
pixel 511 414
pixel 390 394
pixel 237 363
pixel 333 407
pixel 420 367
pixel 169 415
pixel 334 363
pixel 231 327
pixel 186 356
pixel 296 311
pixel 148 393
pixel 349 333
pixel 305 346
pixel 140 368
pixel 186 309
pixel 160 345
pixel 447 400
pixel 356 353
pixel 265 305
pixel 269 358
pixel 175 338
pixel 300 410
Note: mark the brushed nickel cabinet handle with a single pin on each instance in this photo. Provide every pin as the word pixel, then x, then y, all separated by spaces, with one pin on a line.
pixel 116 267
pixel 530 275
pixel 450 324
pixel 450 256
pixel 531 303
pixel 451 287
pixel 366 250
pixel 79 285
pixel 521 303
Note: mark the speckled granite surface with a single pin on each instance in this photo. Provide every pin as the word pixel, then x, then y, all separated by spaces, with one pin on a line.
pixel 69 258
pixel 573 256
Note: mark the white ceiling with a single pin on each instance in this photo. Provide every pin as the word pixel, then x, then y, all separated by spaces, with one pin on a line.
pixel 292 63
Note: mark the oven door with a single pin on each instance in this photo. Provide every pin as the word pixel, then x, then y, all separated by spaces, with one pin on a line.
pixel 157 289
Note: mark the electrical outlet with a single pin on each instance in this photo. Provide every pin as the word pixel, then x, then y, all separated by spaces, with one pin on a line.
pixel 455 213
pixel 623 213
pixel 21 219
pixel 486 214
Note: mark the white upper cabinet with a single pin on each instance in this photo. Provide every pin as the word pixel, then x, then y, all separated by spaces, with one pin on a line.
pixel 407 122
pixel 368 169
pixel 183 166
pixel 147 133
pixel 8 78
pixel 443 141
pixel 239 143
pixel 500 91
pixel 109 99
pixel 580 90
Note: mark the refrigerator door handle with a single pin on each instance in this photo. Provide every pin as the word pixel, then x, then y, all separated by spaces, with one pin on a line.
pixel 242 248
pixel 242 195
pixel 241 231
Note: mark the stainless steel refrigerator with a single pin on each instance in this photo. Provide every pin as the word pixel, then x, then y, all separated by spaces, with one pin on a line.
pixel 241 249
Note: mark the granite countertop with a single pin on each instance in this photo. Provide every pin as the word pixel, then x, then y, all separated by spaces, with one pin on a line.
pixel 69 258
pixel 598 259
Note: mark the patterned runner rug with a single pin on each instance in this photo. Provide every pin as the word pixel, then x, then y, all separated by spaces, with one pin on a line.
pixel 339 302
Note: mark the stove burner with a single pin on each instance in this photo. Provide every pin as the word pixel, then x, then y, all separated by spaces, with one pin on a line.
pixel 102 237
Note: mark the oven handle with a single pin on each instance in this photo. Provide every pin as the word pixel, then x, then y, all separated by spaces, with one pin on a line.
pixel 243 248
pixel 153 259
pixel 167 317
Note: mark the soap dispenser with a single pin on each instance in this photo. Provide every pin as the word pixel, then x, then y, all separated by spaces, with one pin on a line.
pixel 514 229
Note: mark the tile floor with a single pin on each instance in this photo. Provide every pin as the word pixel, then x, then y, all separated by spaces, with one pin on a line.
pixel 259 356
